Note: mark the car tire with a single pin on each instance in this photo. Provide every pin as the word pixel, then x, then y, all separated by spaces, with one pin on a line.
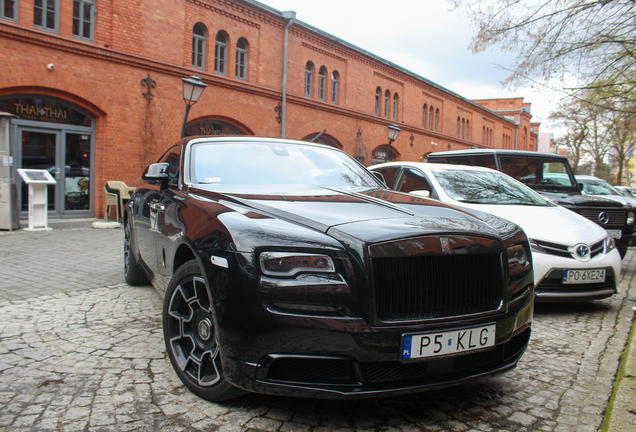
pixel 133 272
pixel 189 330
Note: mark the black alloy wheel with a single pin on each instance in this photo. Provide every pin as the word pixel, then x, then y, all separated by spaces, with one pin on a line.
pixel 133 272
pixel 189 330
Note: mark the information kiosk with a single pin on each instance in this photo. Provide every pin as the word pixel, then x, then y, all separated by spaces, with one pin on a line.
pixel 38 180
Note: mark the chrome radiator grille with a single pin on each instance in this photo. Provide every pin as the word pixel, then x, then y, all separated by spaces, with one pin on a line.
pixel 437 286
pixel 616 217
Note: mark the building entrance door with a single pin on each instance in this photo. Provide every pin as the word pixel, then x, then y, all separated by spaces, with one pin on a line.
pixel 67 156
pixel 40 150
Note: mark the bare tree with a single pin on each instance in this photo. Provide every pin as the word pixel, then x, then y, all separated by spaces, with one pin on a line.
pixel 576 122
pixel 583 44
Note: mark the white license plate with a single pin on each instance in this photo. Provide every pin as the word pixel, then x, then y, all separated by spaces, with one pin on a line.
pixel 583 276
pixel 448 342
pixel 615 233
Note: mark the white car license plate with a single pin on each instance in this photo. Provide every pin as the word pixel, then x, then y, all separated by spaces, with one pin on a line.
pixel 615 233
pixel 448 342
pixel 583 276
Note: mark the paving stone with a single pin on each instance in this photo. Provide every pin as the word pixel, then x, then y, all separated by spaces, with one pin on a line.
pixel 84 351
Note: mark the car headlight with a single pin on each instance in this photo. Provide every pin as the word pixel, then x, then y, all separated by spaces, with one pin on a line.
pixel 517 254
pixel 287 264
pixel 631 218
pixel 609 244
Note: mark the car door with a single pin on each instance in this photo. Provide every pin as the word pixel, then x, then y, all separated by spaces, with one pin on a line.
pixel 169 229
pixel 145 228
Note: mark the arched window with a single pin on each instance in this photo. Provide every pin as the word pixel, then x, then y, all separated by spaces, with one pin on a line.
pixel 468 129
pixel 463 128
pixel 483 135
pixel 322 83
pixel 387 99
pixel 378 95
pixel 220 54
pixel 430 119
pixel 309 76
pixel 424 116
pixel 437 120
pixel 198 46
pixel 334 87
pixel 241 59
pixel 458 119
pixel 395 105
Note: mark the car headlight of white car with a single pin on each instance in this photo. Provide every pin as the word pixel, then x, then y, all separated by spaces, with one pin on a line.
pixel 609 244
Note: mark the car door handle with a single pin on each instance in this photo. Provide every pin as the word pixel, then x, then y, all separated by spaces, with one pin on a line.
pixel 157 207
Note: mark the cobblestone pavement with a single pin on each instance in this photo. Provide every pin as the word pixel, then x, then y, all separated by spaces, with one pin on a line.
pixel 82 351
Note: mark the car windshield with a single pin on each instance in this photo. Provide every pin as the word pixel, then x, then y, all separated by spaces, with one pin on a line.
pixel 598 187
pixel 234 165
pixel 485 187
pixel 538 172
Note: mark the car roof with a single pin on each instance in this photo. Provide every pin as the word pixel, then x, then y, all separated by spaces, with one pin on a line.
pixel 432 165
pixel 496 151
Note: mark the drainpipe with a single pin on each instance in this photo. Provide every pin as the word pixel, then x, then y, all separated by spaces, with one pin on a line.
pixel 289 16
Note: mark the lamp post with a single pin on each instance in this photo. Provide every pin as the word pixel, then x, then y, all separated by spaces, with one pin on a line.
pixel 394 131
pixel 192 89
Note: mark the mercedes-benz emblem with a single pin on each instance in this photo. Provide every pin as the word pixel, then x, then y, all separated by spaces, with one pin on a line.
pixel 582 251
pixel 603 218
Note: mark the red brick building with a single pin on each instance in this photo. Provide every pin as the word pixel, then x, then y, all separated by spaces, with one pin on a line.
pixel 96 89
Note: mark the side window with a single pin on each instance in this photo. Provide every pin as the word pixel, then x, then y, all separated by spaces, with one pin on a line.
pixel 220 54
pixel 413 179
pixel 241 59
pixel 83 19
pixel 9 10
pixel 334 87
pixel 309 78
pixel 46 15
pixel 487 161
pixel 198 46
pixel 389 174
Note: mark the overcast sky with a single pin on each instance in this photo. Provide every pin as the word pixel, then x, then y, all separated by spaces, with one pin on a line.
pixel 424 36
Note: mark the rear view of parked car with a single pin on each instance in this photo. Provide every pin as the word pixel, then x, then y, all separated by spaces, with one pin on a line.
pixel 573 258
pixel 287 268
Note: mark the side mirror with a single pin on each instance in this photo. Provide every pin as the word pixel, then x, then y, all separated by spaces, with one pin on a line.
pixel 156 174
pixel 380 177
pixel 421 193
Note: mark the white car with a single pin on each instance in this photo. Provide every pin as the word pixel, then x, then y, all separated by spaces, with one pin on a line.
pixel 574 259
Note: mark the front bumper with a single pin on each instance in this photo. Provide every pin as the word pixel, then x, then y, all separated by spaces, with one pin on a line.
pixel 346 358
pixel 548 273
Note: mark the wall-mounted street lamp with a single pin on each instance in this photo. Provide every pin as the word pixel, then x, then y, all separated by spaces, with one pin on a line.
pixel 393 132
pixel 192 89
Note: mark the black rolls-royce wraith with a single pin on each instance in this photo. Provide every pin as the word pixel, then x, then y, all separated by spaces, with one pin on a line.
pixel 287 268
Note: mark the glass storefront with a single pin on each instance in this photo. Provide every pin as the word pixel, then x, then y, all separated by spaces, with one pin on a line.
pixel 53 135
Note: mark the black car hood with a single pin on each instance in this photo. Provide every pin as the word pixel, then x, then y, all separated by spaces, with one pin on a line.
pixel 579 200
pixel 370 216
